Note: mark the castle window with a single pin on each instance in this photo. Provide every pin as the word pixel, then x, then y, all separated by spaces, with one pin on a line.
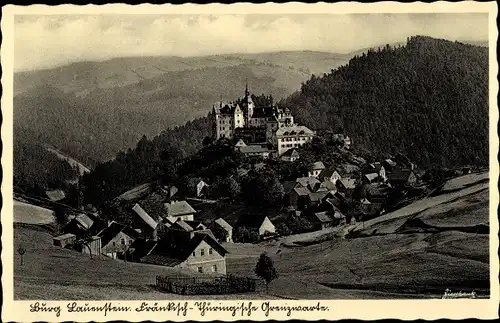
pixel 194 254
pixel 202 252
pixel 200 269
pixel 210 251
pixel 214 268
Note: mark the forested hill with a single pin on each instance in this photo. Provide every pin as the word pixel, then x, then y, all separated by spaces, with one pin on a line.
pixel 428 99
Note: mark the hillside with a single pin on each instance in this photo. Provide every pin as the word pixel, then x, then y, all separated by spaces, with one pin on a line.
pixel 92 110
pixel 83 77
pixel 428 99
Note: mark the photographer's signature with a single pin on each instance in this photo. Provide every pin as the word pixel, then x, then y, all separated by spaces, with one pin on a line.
pixel 448 294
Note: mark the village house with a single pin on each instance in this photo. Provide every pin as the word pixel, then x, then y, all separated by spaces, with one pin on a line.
pixel 115 239
pixel 258 150
pixel 389 165
pixel 369 178
pixel 201 253
pixel 55 195
pixel 222 230
pixel 169 190
pixel 316 169
pixel 404 161
pixel 322 220
pixel 306 181
pixel 315 198
pixel 290 155
pixel 346 185
pixel 325 187
pixel 202 189
pixel 140 248
pixel 402 178
pixel 91 246
pixel 148 225
pixel 64 240
pixel 180 209
pixel 84 224
pixel 261 224
pixel 329 175
pixel 299 197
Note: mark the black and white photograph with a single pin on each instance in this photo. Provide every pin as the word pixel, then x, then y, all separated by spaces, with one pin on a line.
pixel 250 155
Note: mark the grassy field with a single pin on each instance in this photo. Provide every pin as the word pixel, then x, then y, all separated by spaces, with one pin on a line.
pixel 31 214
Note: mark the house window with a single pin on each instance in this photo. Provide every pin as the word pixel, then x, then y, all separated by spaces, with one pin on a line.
pixel 114 244
pixel 123 241
pixel 202 252
pixel 194 254
pixel 129 242
pixel 210 251
pixel 214 268
pixel 200 269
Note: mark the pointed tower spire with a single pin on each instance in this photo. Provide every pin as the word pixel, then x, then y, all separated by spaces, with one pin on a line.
pixel 246 87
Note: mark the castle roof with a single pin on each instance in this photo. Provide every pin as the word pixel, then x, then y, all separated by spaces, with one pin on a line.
pixel 294 131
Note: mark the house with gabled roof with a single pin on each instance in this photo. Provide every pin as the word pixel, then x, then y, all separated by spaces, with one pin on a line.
pixel 222 230
pixel 140 248
pixel 345 185
pixel 329 175
pixel 116 239
pixel 370 178
pixel 55 195
pixel 260 223
pixel 200 253
pixel 315 198
pixel 299 197
pixel 148 225
pixel 180 209
pixel 290 155
pixel 307 181
pixel 316 169
pixel 402 178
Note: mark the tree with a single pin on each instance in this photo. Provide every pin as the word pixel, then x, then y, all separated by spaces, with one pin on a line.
pixel 207 141
pixel 265 269
pixel 283 229
pixel 21 251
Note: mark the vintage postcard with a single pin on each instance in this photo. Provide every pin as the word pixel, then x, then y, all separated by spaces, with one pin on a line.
pixel 249 162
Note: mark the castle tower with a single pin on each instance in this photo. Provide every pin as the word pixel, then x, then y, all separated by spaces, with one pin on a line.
pixel 248 104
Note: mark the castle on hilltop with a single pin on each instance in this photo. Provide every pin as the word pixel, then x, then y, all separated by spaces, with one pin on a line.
pixel 258 130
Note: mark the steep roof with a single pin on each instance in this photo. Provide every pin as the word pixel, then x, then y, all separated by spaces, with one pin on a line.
pixel 299 130
pixel 370 177
pixel 348 183
pixel 84 220
pixel 254 149
pixel 399 175
pixel 288 186
pixel 318 165
pixel 177 208
pixel 302 191
pixel 144 216
pixel 141 247
pixel 291 153
pixel 223 224
pixel 137 192
pixel 328 172
pixel 110 232
pixel 317 196
pixel 304 181
pixel 251 220
pixel 55 195
pixel 182 225
pixel 165 255
pixel 323 217
pixel 328 185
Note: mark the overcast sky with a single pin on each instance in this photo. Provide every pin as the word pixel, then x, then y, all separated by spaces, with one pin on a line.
pixel 48 41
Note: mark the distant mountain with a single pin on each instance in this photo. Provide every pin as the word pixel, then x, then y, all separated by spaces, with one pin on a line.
pixel 427 99
pixel 92 110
